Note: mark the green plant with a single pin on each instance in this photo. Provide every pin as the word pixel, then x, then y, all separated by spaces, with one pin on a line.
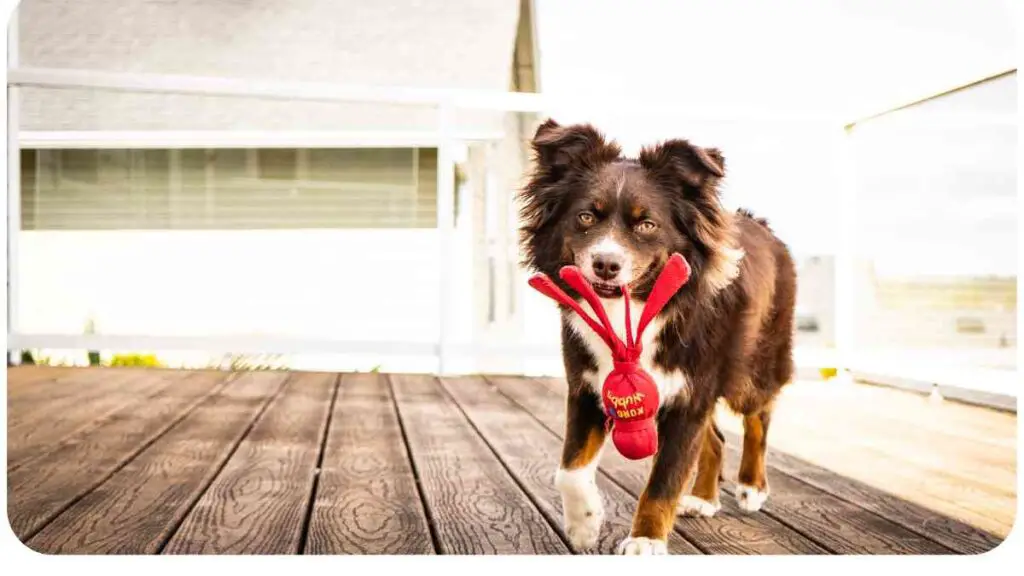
pixel 251 362
pixel 135 360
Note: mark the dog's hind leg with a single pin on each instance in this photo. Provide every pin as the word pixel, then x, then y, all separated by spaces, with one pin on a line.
pixel 703 497
pixel 752 489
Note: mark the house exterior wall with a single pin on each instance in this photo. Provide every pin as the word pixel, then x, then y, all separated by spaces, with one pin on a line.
pixel 390 43
pixel 371 283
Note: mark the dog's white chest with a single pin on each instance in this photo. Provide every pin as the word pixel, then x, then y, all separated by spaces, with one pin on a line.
pixel 669 383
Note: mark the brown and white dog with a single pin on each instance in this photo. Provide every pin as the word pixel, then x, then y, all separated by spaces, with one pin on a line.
pixel 727 334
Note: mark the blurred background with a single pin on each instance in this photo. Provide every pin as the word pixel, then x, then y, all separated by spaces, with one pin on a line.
pixel 329 185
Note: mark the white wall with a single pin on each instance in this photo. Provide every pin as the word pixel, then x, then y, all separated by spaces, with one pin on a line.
pixel 330 284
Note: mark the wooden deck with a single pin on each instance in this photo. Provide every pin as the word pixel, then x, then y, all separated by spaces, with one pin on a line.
pixel 104 461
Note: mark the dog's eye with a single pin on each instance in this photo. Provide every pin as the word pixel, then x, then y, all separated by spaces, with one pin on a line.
pixel 587 218
pixel 646 227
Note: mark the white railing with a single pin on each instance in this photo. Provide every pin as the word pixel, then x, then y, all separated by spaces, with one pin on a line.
pixel 445 104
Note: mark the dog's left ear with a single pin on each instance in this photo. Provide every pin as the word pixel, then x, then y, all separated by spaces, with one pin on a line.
pixel 678 159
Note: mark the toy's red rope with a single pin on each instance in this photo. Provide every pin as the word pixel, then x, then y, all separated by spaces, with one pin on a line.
pixel 672 277
pixel 630 344
pixel 675 273
pixel 573 277
pixel 547 287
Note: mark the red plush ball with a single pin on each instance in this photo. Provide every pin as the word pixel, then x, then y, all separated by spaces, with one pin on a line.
pixel 630 399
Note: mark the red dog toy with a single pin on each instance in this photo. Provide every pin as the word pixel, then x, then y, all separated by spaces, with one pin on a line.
pixel 629 394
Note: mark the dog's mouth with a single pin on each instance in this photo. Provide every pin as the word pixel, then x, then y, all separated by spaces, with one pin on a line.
pixel 607 290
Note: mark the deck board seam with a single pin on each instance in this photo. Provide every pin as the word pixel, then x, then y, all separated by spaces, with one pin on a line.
pixel 555 525
pixel 435 538
pixel 129 458
pixel 604 473
pixel 307 520
pixel 201 490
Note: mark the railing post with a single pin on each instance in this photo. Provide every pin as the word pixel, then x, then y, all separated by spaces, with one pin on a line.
pixel 845 264
pixel 445 233
pixel 13 190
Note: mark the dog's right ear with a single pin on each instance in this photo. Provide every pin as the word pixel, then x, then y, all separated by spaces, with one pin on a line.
pixel 579 146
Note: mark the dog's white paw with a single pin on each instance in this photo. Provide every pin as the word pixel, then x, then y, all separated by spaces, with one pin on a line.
pixel 583 531
pixel 582 509
pixel 690 505
pixel 750 498
pixel 642 547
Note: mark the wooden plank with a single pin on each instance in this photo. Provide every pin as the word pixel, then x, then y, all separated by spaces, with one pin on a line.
pixel 258 503
pixel 366 499
pixel 928 487
pixel 475 505
pixel 833 523
pixel 29 411
pixel 30 440
pixel 844 413
pixel 51 383
pixel 137 509
pixel 980 421
pixel 957 535
pixel 37 492
pixel 731 531
pixel 22 379
pixel 836 523
pixel 531 452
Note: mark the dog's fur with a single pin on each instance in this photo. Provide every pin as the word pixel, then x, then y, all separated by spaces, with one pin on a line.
pixel 727 334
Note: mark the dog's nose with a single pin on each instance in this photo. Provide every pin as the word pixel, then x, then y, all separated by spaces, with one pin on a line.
pixel 607 266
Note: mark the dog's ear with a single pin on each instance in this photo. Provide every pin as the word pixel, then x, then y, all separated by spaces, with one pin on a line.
pixel 578 146
pixel 681 161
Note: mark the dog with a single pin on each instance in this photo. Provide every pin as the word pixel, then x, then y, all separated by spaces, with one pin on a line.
pixel 728 334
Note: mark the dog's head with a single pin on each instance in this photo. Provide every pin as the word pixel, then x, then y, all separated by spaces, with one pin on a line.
pixel 619 219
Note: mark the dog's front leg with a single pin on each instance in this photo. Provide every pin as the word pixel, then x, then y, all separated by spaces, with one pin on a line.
pixel 576 477
pixel 680 433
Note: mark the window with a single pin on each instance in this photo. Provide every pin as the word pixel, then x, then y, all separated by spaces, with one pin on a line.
pixel 229 189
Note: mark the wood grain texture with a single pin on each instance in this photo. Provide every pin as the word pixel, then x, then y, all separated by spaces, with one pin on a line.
pixel 367 501
pixel 28 379
pixel 32 440
pixel 841 526
pixel 929 473
pixel 258 503
pixel 474 504
pixel 531 452
pixel 728 532
pixel 920 435
pixel 136 510
pixel 28 414
pixel 863 503
pixel 44 486
pixel 950 532
pixel 930 485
